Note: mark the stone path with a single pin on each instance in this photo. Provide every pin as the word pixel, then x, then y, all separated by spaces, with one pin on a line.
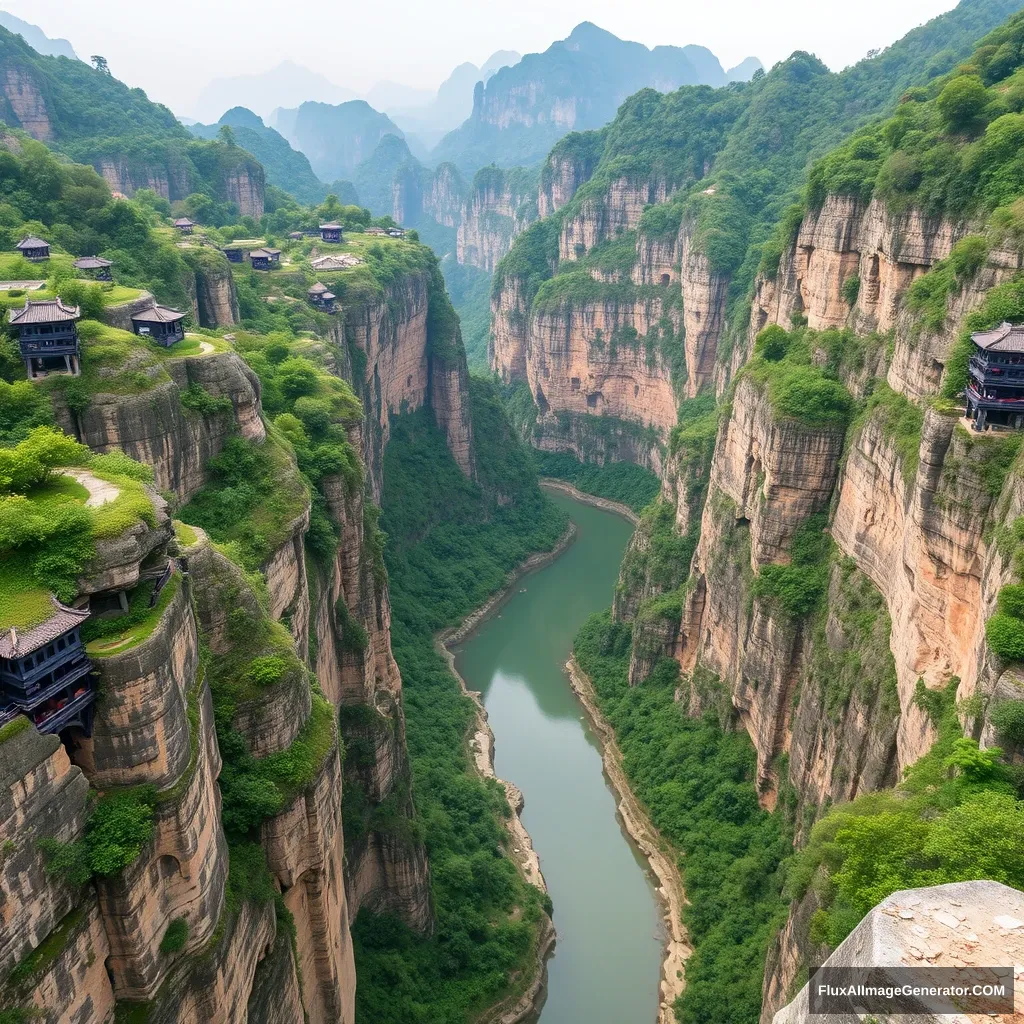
pixel 100 491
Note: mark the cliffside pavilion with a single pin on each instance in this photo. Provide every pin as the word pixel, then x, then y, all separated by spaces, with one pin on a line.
pixel 94 266
pixel 34 249
pixel 321 298
pixel 331 233
pixel 44 673
pixel 159 323
pixel 995 389
pixel 48 336
pixel 184 225
pixel 264 259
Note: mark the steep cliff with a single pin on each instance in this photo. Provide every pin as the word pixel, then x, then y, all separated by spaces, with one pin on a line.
pixel 501 204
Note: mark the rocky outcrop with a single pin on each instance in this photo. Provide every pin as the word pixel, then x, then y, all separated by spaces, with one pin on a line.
pixel 919 536
pixel 154 427
pixel 244 186
pixel 500 206
pixel 216 298
pixel 141 730
pixel 603 359
pixel 844 239
pixel 510 322
pixel 565 170
pixel 285 573
pixel 120 315
pixel 181 873
pixel 26 103
pixel 306 854
pixel 443 200
pixel 406 369
pixel 42 796
pixel 940 926
pixel 613 211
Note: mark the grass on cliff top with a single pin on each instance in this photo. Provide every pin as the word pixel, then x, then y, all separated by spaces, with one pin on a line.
pixel 47 534
pixel 105 637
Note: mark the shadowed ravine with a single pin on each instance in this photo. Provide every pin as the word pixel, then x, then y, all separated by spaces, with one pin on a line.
pixel 606 964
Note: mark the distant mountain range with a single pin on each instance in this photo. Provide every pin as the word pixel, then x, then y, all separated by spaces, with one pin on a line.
pixel 576 84
pixel 37 38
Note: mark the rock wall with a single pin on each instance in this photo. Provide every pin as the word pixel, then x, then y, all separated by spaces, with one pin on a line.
pixel 499 208
pixel 405 369
pixel 602 217
pixel 603 359
pixel 244 186
pixel 216 299
pixel 156 429
pixel 561 176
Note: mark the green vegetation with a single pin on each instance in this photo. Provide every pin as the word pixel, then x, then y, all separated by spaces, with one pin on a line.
pixel 12 729
pixel 254 499
pixel 624 482
pixel 175 937
pixel 122 632
pixel 47 535
pixel 697 783
pixel 451 544
pixel 798 388
pixel 119 826
pixel 954 817
pixel 799 586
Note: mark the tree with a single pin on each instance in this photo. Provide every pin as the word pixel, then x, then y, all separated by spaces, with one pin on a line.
pixel 961 102
pixel 226 135
pixel 100 64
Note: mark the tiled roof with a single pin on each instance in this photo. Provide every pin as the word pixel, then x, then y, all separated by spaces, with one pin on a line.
pixel 346 259
pixel 92 263
pixel 330 227
pixel 156 314
pixel 31 242
pixel 318 289
pixel 265 252
pixel 1004 338
pixel 328 296
pixel 184 222
pixel 16 645
pixel 44 311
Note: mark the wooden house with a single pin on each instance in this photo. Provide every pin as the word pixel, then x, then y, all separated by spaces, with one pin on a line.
pixel 184 225
pixel 264 259
pixel 331 233
pixel 160 324
pixel 94 266
pixel 34 249
pixel 48 336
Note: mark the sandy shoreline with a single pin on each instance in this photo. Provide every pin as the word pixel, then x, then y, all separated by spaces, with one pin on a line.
pixel 648 839
pixel 591 499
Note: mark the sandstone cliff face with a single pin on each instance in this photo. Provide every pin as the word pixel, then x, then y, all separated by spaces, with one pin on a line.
pixel 496 211
pixel 216 300
pixel 173 180
pixel 614 211
pixel 561 176
pixel 243 186
pixel 403 370
pixel 156 429
pixel 443 200
pixel 26 103
pixel 603 359
pixel 510 321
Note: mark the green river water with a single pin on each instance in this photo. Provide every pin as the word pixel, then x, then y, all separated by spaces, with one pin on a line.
pixel 607 961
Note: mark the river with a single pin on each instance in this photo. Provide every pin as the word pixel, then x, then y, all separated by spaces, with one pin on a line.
pixel 606 967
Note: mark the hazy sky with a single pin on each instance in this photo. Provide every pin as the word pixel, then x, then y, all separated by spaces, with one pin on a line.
pixel 172 49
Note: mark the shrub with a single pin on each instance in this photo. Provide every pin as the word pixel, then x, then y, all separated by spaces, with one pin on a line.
pixel 175 937
pixel 1011 600
pixel 1005 635
pixel 851 289
pixel 961 103
pixel 197 399
pixel 1008 720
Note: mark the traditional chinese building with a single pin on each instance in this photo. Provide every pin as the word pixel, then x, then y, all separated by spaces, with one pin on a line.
pixel 331 233
pixel 340 262
pixel 159 323
pixel 44 673
pixel 33 248
pixel 264 259
pixel 375 231
pixel 322 298
pixel 396 232
pixel 995 390
pixel 234 253
pixel 94 266
pixel 184 225
pixel 48 336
